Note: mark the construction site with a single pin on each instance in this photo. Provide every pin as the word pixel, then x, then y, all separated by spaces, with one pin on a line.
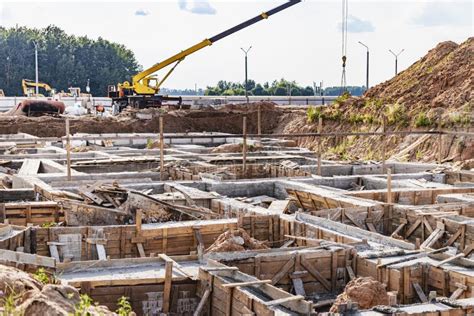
pixel 361 206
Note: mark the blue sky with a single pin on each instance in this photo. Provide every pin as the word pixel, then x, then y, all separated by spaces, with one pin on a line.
pixel 302 43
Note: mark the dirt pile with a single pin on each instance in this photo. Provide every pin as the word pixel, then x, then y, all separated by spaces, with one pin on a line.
pixel 175 121
pixel 264 106
pixel 234 148
pixel 366 292
pixel 437 88
pixel 235 240
pixel 22 294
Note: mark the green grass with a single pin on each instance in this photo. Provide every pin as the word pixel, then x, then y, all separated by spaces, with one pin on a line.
pixel 422 120
pixel 124 306
pixel 395 114
pixel 313 114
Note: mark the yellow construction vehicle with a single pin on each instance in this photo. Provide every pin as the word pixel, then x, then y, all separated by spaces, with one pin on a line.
pixel 29 88
pixel 143 90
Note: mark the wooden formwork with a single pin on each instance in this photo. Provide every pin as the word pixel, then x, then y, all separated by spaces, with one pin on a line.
pixel 36 213
pixel 151 285
pixel 310 271
pixel 15 238
pixel 409 196
pixel 226 297
pixel 125 241
pixel 234 172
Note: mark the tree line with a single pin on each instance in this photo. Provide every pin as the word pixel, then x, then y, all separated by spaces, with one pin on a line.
pixel 64 60
pixel 280 87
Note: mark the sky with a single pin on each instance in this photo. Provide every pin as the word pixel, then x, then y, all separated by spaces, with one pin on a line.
pixel 302 43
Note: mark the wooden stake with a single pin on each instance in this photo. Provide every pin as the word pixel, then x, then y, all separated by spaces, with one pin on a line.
pixel 389 186
pixel 68 150
pixel 259 120
pixel 244 146
pixel 138 221
pixel 384 143
pixel 162 161
pixel 167 287
pixel 320 129
pixel 440 141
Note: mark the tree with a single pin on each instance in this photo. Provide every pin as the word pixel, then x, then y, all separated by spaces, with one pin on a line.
pixel 63 60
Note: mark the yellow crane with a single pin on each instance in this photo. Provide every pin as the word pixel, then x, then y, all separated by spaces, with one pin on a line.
pixel 143 90
pixel 29 88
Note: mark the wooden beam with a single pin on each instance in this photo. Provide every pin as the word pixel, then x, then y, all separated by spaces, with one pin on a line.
pixel 202 302
pixel 167 286
pixel 439 264
pixel 420 292
pixel 284 300
pixel 309 267
pixel 248 283
pixel 413 228
pixel 176 265
pixel 284 270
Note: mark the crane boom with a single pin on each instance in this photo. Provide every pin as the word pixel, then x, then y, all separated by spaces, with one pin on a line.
pixel 141 86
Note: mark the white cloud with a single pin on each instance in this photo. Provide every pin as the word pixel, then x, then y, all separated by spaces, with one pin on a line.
pixel 141 12
pixel 446 13
pixel 356 25
pixel 198 7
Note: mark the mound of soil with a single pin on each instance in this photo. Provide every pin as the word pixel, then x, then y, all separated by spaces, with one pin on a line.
pixel 178 121
pixel 436 88
pixel 264 106
pixel 366 292
pixel 235 240
pixel 34 298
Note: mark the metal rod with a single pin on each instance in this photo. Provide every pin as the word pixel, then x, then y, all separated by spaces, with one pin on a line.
pixel 68 150
pixel 320 129
pixel 162 161
pixel 244 146
pixel 295 135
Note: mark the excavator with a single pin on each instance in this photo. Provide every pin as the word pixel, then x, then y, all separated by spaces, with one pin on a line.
pixel 142 91
pixel 29 88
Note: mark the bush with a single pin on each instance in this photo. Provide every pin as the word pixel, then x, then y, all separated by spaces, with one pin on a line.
pixel 422 120
pixel 124 306
pixel 396 114
pixel 313 114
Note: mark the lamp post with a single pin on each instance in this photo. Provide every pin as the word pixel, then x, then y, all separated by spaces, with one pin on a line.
pixel 396 59
pixel 36 68
pixel 246 78
pixel 367 70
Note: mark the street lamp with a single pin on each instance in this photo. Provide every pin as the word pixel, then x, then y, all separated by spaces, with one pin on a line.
pixel 396 59
pixel 246 83
pixel 36 68
pixel 367 70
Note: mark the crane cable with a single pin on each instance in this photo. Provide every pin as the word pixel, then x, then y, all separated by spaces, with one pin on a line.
pixel 345 12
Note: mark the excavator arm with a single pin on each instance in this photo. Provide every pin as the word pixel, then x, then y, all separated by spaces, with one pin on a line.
pixel 141 82
pixel 30 85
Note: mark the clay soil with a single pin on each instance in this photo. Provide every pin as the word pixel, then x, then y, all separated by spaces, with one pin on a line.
pixel 235 240
pixel 366 292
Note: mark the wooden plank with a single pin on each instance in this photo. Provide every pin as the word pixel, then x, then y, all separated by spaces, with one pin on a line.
pixel 167 286
pixel 284 300
pixel 420 293
pixel 248 283
pixel 350 272
pixel 284 270
pixel 26 258
pixel 432 239
pixel 202 302
pixel 140 249
pixel 413 228
pixel 309 267
pixel 461 255
pixel 101 252
pixel 298 286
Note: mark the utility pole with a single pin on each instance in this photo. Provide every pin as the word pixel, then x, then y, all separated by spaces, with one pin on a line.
pixel 367 70
pixel 246 73
pixel 396 59
pixel 36 68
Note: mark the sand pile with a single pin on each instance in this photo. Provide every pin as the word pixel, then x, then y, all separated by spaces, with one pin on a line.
pixel 366 292
pixel 235 240
pixel 34 298
pixel 253 106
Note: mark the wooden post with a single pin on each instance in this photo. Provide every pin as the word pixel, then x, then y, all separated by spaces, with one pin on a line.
pixel 162 161
pixel 320 129
pixel 167 286
pixel 68 150
pixel 259 120
pixel 389 186
pixel 244 146
pixel 440 141
pixel 384 143
pixel 138 221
